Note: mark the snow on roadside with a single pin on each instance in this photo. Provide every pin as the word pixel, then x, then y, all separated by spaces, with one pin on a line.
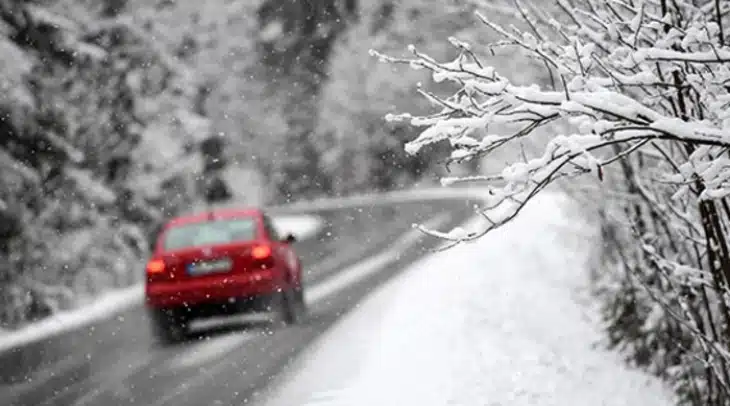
pixel 303 226
pixel 494 322
pixel 98 309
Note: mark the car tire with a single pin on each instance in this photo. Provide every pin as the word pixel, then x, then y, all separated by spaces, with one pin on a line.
pixel 169 326
pixel 293 306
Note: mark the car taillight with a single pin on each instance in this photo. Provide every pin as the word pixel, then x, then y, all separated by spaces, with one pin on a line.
pixel 155 267
pixel 261 252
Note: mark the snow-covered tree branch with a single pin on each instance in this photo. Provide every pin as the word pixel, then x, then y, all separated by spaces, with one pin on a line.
pixel 617 97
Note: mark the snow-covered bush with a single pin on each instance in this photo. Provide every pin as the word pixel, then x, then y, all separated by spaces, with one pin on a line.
pixel 638 99
pixel 81 188
pixel 216 41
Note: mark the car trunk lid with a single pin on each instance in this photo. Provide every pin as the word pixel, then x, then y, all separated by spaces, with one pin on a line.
pixel 209 261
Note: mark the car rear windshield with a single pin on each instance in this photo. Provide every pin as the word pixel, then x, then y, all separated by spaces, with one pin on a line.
pixel 221 231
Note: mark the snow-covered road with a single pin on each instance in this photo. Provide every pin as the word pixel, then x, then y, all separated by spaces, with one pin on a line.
pixel 106 355
pixel 495 322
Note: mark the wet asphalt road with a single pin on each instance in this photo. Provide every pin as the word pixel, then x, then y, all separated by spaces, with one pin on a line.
pixel 118 362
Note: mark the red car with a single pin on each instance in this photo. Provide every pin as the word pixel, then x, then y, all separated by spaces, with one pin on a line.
pixel 220 263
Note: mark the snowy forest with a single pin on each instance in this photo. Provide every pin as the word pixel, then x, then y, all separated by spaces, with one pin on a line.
pixel 117 114
pixel 120 113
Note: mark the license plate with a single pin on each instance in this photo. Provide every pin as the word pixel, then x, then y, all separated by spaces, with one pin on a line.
pixel 206 267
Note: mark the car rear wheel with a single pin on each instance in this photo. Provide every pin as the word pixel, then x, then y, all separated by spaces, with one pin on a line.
pixel 293 306
pixel 169 326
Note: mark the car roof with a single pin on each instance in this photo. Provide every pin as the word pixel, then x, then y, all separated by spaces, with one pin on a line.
pixel 214 214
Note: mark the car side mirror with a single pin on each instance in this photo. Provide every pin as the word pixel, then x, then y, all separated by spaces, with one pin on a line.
pixel 290 238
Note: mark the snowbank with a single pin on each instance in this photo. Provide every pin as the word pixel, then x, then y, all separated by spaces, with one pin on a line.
pixel 101 308
pixel 495 322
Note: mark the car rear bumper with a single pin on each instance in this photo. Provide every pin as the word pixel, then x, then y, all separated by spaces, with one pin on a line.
pixel 209 289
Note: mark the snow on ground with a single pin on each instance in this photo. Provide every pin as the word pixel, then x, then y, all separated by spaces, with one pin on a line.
pixel 494 322
pixel 108 304
pixel 101 308
pixel 301 225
